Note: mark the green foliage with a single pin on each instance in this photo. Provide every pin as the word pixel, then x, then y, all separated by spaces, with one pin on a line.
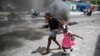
pixel 95 2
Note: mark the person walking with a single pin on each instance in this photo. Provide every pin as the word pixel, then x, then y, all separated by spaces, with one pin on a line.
pixel 53 24
pixel 90 10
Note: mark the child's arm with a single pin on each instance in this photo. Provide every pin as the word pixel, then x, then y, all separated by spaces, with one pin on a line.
pixel 77 36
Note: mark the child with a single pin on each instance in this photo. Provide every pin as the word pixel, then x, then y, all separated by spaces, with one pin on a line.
pixel 68 40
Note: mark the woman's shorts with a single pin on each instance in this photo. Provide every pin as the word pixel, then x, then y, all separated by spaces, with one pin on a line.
pixel 53 33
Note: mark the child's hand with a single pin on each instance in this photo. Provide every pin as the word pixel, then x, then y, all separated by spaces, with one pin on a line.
pixel 81 37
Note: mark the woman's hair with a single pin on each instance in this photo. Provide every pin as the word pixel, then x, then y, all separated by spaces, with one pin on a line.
pixel 48 14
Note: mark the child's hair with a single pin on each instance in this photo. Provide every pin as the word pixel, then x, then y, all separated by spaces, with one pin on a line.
pixel 65 29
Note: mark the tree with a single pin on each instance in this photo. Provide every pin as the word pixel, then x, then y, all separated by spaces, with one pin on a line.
pixel 95 2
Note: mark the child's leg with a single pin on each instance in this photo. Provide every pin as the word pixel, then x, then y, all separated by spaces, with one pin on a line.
pixel 64 49
pixel 64 53
pixel 71 49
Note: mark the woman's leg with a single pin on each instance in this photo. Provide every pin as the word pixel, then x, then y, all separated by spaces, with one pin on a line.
pixel 48 45
pixel 54 39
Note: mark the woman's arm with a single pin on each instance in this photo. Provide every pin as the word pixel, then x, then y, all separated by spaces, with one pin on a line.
pixel 46 26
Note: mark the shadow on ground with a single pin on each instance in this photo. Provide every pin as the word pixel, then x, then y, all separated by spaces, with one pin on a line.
pixel 10 40
pixel 11 22
pixel 38 20
pixel 9 44
pixel 97 50
pixel 72 23
pixel 41 49
pixel 26 34
pixel 59 54
pixel 38 50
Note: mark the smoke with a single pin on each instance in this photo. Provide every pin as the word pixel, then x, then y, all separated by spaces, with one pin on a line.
pixel 8 5
pixel 22 5
pixel 27 5
pixel 59 9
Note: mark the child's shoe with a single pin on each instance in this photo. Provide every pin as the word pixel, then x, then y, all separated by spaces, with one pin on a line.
pixel 71 49
pixel 64 53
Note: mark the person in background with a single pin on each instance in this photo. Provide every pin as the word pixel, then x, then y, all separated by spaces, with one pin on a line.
pixel 90 10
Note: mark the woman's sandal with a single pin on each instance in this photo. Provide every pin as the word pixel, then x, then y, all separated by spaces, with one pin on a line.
pixel 45 52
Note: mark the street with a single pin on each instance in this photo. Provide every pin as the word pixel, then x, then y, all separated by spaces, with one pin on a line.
pixel 26 38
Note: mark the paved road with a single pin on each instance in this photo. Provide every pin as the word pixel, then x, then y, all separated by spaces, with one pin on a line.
pixel 25 38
